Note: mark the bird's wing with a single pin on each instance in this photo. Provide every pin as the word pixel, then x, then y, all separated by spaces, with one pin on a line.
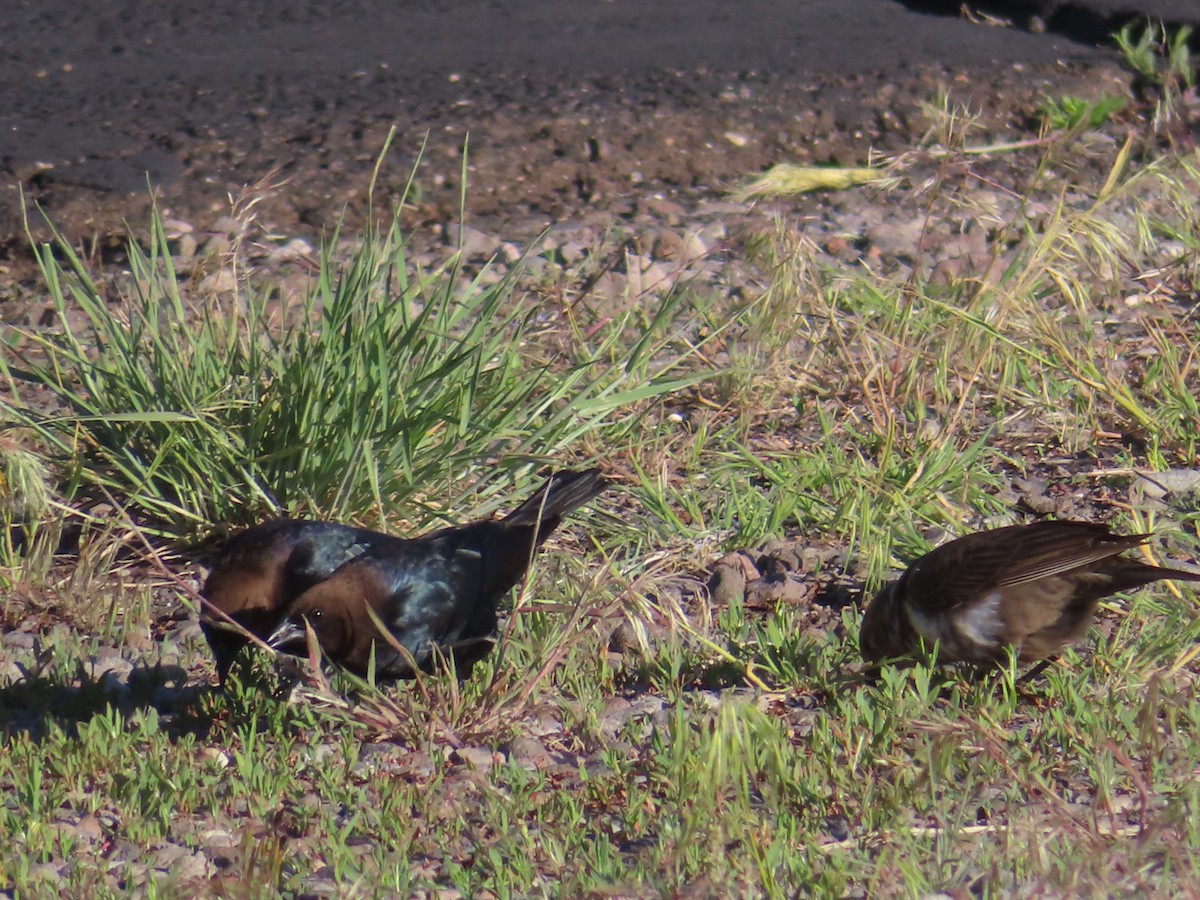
pixel 426 589
pixel 966 570
pixel 325 547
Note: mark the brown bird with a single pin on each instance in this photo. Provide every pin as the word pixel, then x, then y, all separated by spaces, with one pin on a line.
pixel 261 570
pixel 1031 587
pixel 437 591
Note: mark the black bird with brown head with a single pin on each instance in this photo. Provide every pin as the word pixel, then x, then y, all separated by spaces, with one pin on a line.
pixel 259 572
pixel 434 594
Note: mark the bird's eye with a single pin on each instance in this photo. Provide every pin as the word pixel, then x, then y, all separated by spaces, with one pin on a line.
pixel 316 614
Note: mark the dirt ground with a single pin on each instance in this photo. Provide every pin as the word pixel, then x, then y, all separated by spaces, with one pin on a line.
pixel 572 109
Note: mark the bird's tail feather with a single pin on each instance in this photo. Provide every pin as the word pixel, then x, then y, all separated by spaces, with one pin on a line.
pixel 1180 575
pixel 563 493
pixel 1131 574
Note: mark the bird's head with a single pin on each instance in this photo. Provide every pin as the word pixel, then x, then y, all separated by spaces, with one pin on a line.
pixel 883 633
pixel 327 620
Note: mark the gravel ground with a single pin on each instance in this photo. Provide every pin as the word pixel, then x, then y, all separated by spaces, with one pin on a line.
pixel 618 127
pixel 597 108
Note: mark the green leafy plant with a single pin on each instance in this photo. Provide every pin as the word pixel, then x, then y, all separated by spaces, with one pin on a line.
pixel 1163 61
pixel 1069 113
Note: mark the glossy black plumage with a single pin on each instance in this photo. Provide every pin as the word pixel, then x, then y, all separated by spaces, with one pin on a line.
pixel 1031 587
pixel 260 571
pixel 436 591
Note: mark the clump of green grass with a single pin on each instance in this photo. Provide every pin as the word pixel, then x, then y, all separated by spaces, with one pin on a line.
pixel 1069 113
pixel 25 495
pixel 1162 60
pixel 383 388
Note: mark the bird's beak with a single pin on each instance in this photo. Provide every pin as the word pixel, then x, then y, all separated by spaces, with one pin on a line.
pixel 287 635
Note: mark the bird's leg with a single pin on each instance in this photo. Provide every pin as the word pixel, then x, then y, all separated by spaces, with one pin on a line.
pixel 1037 670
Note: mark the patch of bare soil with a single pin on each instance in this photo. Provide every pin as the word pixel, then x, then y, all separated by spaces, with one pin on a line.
pixel 577 108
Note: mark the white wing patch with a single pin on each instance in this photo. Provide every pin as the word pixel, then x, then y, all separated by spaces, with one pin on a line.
pixel 931 628
pixel 469 553
pixel 981 623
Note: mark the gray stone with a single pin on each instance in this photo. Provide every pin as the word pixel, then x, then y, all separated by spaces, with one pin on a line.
pixel 18 640
pixel 471 241
pixel 480 758
pixel 528 753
